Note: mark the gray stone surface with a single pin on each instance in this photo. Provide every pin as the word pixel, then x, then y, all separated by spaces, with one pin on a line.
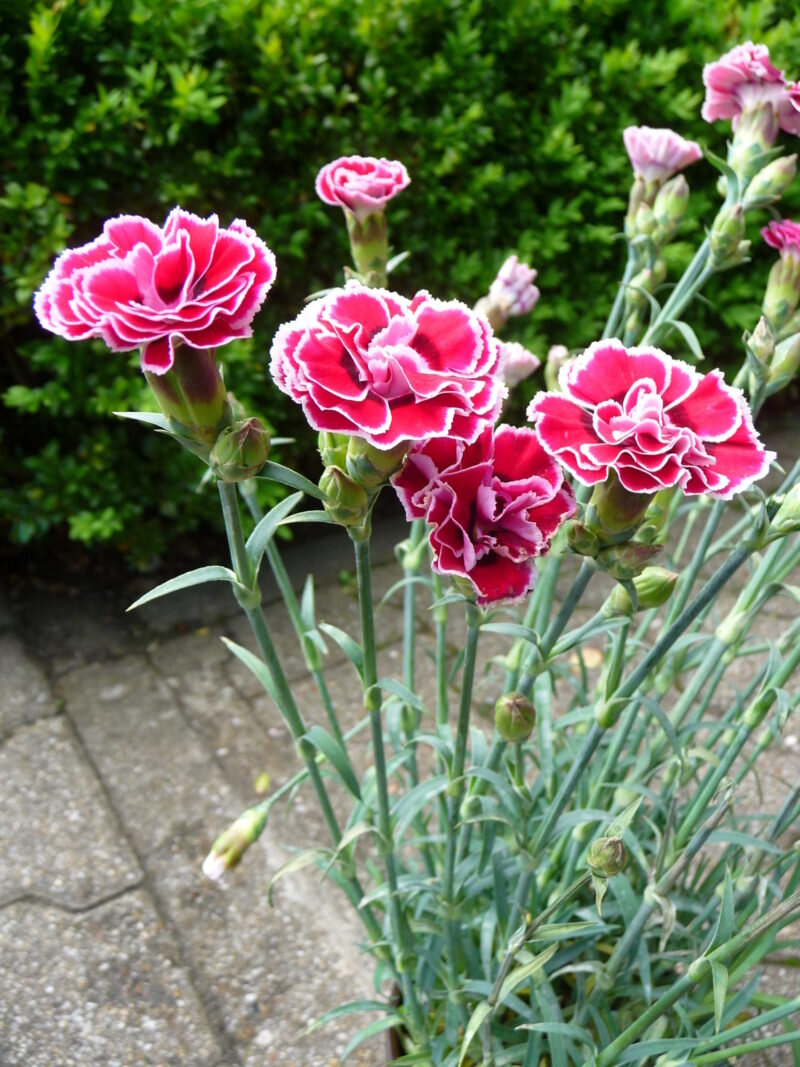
pixel 58 839
pixel 24 693
pixel 102 989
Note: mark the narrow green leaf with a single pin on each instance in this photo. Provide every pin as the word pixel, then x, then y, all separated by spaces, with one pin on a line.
pixel 342 1010
pixel 309 516
pixel 336 756
pixel 522 974
pixel 256 666
pixel 482 1011
pixel 619 825
pixel 689 336
pixel 149 418
pixel 307 603
pixel 366 1032
pixel 346 643
pixel 264 531
pixel 567 1029
pixel 391 685
pixel 276 472
pixel 303 859
pixel 600 890
pixel 566 931
pixel 412 803
pixel 724 926
pixel 719 976
pixel 512 629
pixel 200 576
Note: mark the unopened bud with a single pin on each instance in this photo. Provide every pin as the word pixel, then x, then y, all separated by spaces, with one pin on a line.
pixel 614 513
pixel 370 466
pixel 787 518
pixel 518 363
pixel 511 293
pixel 607 856
pixel 333 448
pixel 240 451
pixel 669 208
pixel 345 501
pixel 514 717
pixel 228 849
pixel 771 183
pixel 653 587
pixel 557 356
pixel 783 291
pixel 756 130
pixel 726 236
pixel 785 362
pixel 761 341
pixel 626 561
pixel 635 199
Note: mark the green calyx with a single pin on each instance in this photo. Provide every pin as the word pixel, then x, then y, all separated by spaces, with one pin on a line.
pixel 240 451
pixel 514 717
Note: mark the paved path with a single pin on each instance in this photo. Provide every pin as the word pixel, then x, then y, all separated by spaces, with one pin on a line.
pixel 127 742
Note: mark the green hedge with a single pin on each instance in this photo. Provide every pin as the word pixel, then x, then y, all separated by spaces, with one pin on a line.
pixel 507 113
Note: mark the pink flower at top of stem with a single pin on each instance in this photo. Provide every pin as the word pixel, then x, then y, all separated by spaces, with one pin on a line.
pixel 743 80
pixel 656 155
pixel 148 286
pixel 361 184
pixel 651 419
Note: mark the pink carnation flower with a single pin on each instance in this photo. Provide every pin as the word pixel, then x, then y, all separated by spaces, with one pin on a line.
pixel 144 285
pixel 493 506
pixel 513 288
pixel 656 155
pixel 373 364
pixel 743 79
pixel 362 184
pixel 783 235
pixel 518 363
pixel 653 420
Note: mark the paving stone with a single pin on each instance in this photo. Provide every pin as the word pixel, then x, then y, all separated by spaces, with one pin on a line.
pixel 265 972
pixel 158 772
pixel 24 693
pixel 58 838
pixel 105 988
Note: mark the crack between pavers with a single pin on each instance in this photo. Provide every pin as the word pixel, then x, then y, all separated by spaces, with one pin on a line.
pixel 211 1015
pixel 45 901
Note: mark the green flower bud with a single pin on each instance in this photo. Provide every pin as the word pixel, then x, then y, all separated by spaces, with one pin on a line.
pixel 627 561
pixel 240 451
pixel 581 540
pixel 771 183
pixel 785 363
pixel 614 513
pixel 756 130
pixel 726 236
pixel 761 341
pixel 653 587
pixel 636 199
pixel 228 849
pixel 371 467
pixel 783 291
pixel 333 449
pixel 607 856
pixel 787 517
pixel 514 717
pixel 346 502
pixel 669 209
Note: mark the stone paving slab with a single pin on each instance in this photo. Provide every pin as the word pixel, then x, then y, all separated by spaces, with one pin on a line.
pixel 58 838
pixel 25 695
pixel 101 989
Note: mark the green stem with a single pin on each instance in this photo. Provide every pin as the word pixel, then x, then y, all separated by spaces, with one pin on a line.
pixel 693 280
pixel 614 316
pixel 372 702
pixel 743 1049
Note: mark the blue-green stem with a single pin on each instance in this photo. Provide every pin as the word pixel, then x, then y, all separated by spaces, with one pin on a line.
pixel 456 790
pixel 373 702
pixel 694 278
pixel 615 315
pixel 285 699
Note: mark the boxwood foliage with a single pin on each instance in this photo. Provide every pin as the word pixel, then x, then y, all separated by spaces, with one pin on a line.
pixel 507 113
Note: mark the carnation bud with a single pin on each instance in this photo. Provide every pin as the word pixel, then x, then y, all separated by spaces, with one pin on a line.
pixel 193 395
pixel 345 501
pixel 756 130
pixel 518 363
pixel 787 518
pixel 240 451
pixel 228 849
pixel 761 341
pixel 557 357
pixel 669 209
pixel 654 528
pixel 333 448
pixel 783 291
pixel 726 236
pixel 785 363
pixel 771 183
pixel 614 513
pixel 627 561
pixel 514 717
pixel 371 467
pixel 645 221
pixel 511 293
pixel 635 199
pixel 607 856
pixel 653 587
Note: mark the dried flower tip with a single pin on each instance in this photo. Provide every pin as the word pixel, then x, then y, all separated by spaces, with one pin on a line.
pixel 607 856
pixel 230 846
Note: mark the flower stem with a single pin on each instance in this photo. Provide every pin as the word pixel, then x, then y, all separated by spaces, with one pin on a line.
pixel 372 702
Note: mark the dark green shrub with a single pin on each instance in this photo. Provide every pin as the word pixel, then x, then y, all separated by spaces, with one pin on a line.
pixel 508 114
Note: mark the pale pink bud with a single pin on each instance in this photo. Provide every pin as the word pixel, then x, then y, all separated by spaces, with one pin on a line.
pixel 518 364
pixel 656 155
pixel 511 293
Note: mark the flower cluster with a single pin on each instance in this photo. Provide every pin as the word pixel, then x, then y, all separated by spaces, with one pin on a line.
pixel 744 79
pixel 493 506
pixel 142 285
pixel 373 364
pixel 361 184
pixel 783 235
pixel 652 420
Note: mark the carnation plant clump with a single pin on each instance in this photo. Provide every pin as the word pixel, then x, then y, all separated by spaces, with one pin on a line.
pixel 579 883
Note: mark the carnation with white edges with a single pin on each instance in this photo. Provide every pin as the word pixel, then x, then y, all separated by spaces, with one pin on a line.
pixel 651 419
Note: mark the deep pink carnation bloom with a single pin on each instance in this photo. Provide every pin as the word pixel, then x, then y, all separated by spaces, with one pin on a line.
pixel 143 285
pixel 373 364
pixel 783 235
pixel 652 419
pixel 743 79
pixel 656 155
pixel 362 184
pixel 493 506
